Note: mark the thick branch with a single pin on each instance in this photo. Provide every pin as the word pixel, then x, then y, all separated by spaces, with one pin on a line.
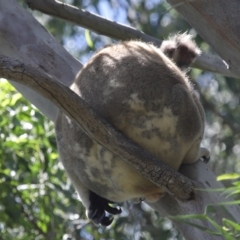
pixel 97 128
pixel 205 181
pixel 217 22
pixel 89 20
pixel 118 31
pixel 24 39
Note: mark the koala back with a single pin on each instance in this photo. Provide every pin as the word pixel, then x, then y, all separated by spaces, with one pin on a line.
pixel 143 94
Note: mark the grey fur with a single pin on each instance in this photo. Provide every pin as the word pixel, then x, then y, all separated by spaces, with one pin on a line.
pixel 141 92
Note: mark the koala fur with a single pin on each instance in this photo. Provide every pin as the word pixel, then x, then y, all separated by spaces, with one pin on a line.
pixel 141 90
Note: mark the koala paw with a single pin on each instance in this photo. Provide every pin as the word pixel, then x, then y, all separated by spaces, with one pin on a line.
pixel 98 209
pixel 205 159
pixel 204 155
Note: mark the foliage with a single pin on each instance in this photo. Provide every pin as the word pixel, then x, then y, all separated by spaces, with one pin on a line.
pixel 37 201
pixel 228 228
pixel 35 197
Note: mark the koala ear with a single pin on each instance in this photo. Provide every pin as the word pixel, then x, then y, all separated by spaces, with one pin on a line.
pixel 181 49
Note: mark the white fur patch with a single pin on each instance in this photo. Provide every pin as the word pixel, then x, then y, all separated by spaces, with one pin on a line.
pixel 135 103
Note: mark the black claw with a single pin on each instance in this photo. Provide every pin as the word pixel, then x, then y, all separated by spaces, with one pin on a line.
pixel 113 210
pixel 98 208
pixel 106 221
pixel 205 159
pixel 191 196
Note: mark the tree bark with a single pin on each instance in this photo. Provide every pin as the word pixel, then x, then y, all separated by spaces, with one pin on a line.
pixel 24 40
pixel 217 22
pixel 118 31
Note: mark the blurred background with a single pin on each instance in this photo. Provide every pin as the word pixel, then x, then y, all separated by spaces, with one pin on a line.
pixel 37 201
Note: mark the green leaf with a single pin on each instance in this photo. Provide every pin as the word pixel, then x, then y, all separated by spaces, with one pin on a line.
pixel 228 176
pixel 88 38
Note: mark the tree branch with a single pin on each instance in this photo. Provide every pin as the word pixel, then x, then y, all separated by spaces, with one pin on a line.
pixel 205 182
pixel 118 31
pixel 97 128
pixel 217 22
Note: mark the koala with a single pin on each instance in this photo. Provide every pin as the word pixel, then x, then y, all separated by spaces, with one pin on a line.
pixel 143 91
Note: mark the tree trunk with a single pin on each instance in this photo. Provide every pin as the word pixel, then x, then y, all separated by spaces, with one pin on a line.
pixel 217 22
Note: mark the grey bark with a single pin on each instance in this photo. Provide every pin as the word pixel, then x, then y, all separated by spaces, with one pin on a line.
pixel 118 31
pixel 217 22
pixel 30 44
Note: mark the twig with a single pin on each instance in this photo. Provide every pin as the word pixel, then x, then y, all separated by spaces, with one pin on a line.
pixel 89 20
pixel 97 128
pixel 118 31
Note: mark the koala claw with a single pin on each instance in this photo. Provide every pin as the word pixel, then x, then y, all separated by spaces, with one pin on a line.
pixel 204 155
pixel 205 159
pixel 99 207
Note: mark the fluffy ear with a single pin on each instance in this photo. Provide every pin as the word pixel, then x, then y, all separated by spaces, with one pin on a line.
pixel 181 49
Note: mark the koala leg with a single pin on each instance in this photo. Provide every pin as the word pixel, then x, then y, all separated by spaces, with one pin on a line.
pixel 98 208
pixel 204 155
